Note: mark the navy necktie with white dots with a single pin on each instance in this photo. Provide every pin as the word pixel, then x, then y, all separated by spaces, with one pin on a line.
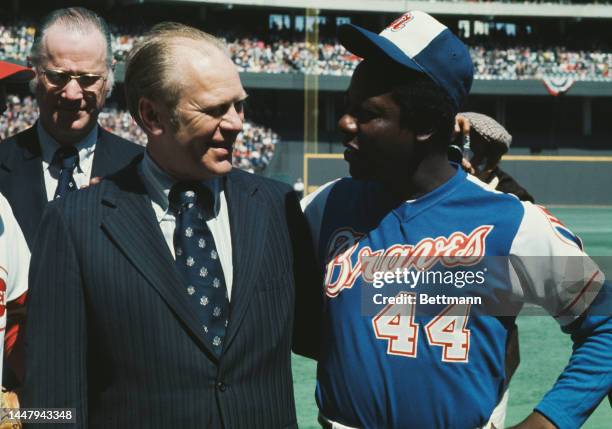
pixel 198 261
pixel 66 158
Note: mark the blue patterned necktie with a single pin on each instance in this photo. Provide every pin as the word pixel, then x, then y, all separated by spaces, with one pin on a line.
pixel 66 158
pixel 198 261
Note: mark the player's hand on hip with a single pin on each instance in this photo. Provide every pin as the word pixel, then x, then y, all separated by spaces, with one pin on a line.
pixel 535 420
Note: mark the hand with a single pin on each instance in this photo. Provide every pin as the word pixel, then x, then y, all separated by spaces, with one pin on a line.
pixel 467 166
pixel 462 127
pixel 93 181
pixel 535 420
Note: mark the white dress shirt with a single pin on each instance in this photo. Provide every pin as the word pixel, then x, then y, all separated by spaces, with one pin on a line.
pixel 81 173
pixel 158 184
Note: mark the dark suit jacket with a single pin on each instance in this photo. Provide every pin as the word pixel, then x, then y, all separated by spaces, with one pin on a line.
pixel 21 176
pixel 110 331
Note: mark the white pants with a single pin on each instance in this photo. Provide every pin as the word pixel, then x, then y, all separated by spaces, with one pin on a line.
pixel 498 416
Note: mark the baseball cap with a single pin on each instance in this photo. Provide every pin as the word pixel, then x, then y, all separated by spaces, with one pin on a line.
pixel 490 130
pixel 421 43
pixel 15 72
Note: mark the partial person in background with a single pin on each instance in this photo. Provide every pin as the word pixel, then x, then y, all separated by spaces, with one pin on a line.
pixel 11 73
pixel 71 55
pixel 485 143
pixel 14 265
pixel 488 142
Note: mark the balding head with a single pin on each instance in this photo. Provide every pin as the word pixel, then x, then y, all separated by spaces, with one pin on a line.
pixel 156 64
pixel 71 20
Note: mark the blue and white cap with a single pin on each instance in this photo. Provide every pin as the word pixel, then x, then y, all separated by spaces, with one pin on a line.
pixel 421 43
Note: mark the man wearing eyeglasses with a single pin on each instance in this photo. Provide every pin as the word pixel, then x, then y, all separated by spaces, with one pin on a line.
pixel 66 148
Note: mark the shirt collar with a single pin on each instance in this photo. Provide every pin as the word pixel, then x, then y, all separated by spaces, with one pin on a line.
pixel 158 184
pixel 85 147
pixel 414 207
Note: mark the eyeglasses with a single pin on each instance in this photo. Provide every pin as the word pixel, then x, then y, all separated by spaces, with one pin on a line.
pixel 60 79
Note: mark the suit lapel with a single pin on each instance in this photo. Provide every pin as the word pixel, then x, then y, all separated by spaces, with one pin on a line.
pixel 103 159
pixel 131 223
pixel 31 171
pixel 248 222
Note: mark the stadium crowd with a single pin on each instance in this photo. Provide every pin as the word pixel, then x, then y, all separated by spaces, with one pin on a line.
pixel 16 40
pixel 521 62
pixel 253 150
pixel 330 58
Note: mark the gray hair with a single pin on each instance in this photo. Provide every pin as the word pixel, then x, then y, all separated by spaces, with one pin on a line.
pixel 77 19
pixel 150 66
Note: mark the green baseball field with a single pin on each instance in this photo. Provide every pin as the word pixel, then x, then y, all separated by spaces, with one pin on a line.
pixel 545 350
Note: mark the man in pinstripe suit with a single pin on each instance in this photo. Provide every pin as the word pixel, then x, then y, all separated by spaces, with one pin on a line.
pixel 164 297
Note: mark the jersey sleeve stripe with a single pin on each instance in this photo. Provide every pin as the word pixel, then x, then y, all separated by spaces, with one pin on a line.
pixel 586 287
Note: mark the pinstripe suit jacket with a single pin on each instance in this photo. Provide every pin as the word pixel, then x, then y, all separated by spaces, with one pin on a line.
pixel 111 334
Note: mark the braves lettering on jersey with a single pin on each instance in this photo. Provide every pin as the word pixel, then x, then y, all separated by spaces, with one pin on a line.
pixel 404 363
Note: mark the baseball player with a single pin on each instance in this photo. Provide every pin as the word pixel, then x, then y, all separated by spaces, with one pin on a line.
pixel 401 349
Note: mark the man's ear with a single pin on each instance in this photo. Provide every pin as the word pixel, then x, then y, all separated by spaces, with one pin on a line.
pixel 151 116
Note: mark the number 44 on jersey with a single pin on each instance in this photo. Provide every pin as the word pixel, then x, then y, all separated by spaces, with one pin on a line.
pixel 396 324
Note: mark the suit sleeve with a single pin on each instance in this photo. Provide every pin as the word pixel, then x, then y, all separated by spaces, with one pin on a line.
pixel 308 292
pixel 56 327
pixel 572 288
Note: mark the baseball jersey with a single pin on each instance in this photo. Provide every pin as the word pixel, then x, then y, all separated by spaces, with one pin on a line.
pixel 14 264
pixel 408 341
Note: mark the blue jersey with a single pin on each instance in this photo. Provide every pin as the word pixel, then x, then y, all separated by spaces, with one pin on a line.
pixel 405 351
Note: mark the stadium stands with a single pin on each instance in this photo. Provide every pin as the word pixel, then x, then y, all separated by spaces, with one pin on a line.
pixel 15 40
pixel 284 56
pixel 511 53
